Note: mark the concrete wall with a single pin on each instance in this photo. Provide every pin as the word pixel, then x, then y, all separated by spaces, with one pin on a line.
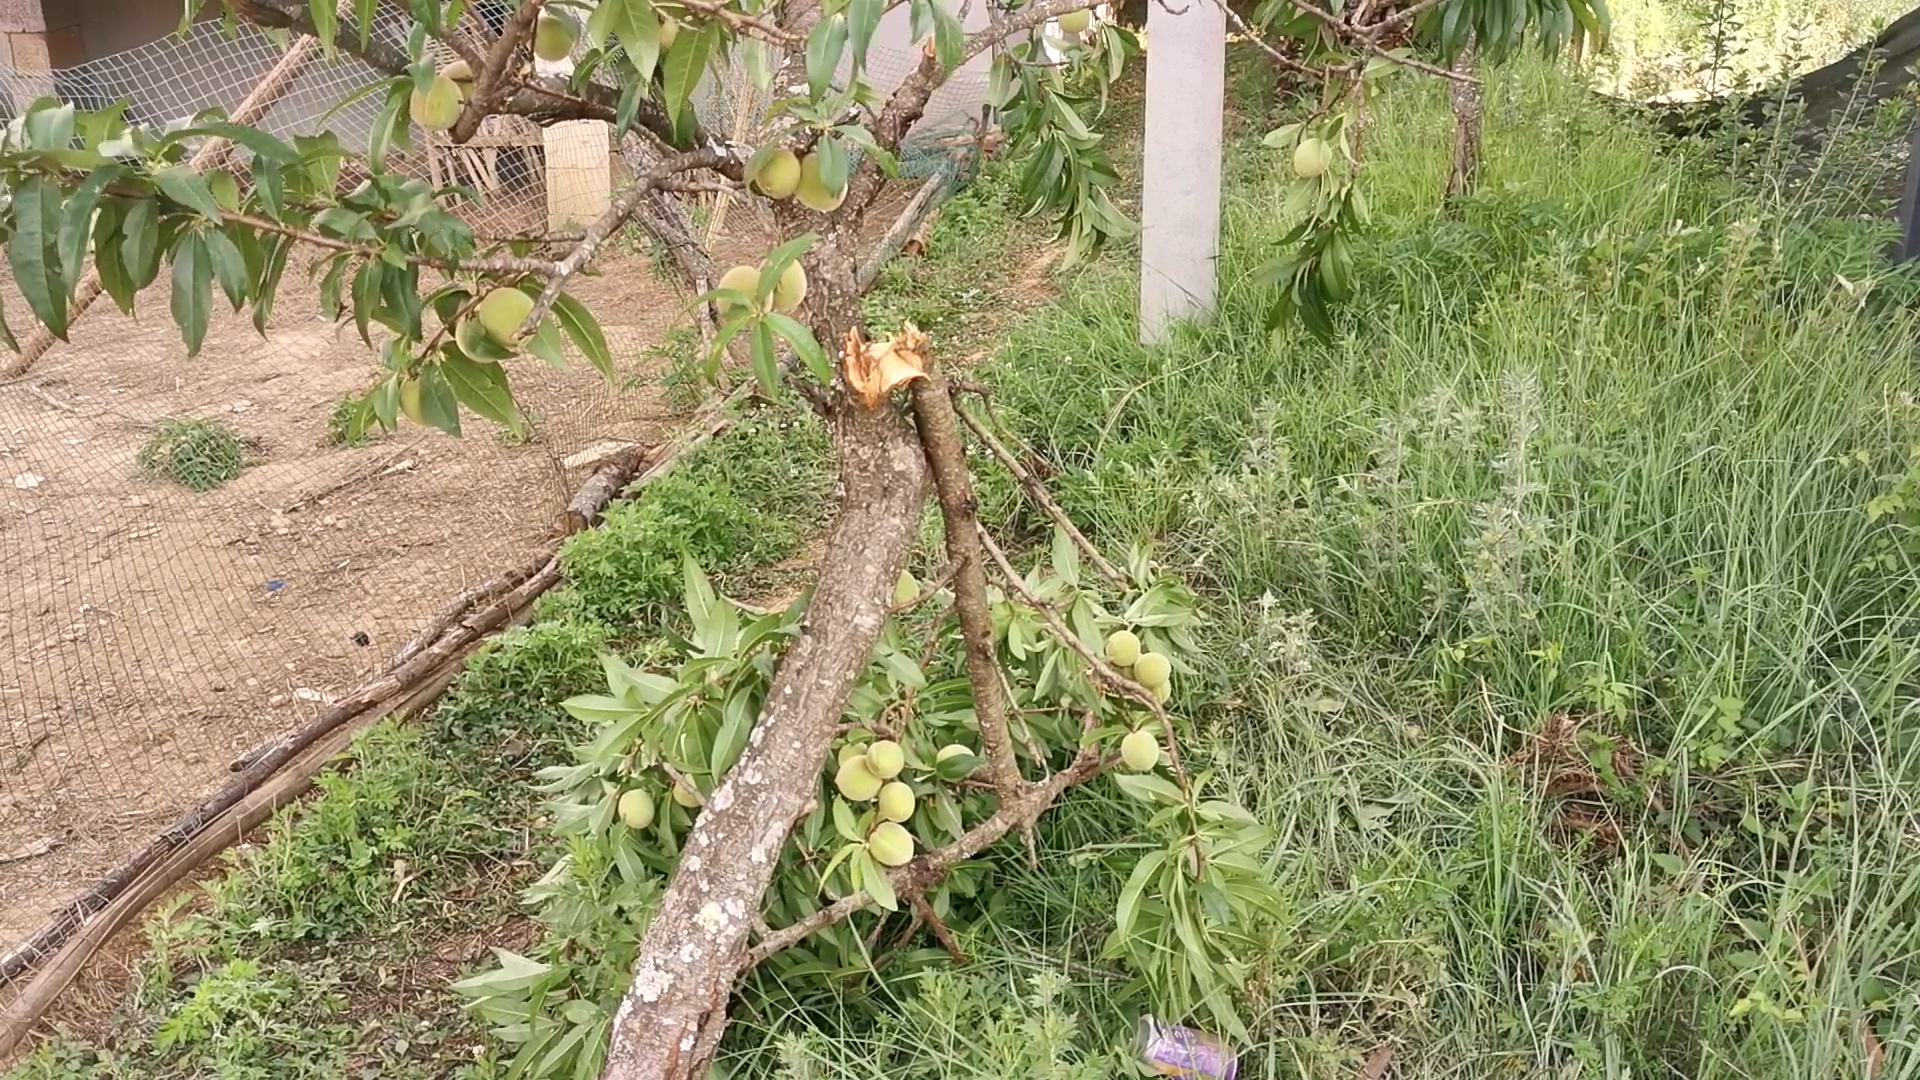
pixel 112 26
pixel 39 34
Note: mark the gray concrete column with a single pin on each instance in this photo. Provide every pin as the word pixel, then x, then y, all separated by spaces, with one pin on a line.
pixel 1180 191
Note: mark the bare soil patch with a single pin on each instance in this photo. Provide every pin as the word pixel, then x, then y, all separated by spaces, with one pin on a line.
pixel 154 634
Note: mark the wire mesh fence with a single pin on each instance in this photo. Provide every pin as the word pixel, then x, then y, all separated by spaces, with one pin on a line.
pixel 197 558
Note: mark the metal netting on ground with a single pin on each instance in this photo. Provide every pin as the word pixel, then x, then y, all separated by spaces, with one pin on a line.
pixel 196 563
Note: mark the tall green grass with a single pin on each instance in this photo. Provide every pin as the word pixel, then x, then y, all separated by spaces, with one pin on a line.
pixel 1566 622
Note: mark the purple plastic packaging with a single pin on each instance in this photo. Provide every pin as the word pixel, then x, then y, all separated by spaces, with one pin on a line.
pixel 1172 1050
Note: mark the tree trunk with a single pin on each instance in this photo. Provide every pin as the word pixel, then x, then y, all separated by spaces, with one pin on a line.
pixel 1468 106
pixel 671 1021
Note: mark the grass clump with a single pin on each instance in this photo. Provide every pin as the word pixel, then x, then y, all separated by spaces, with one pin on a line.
pixel 746 499
pixel 347 413
pixel 198 454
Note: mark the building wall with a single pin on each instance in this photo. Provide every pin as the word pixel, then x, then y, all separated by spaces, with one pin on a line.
pixel 112 26
pixel 39 34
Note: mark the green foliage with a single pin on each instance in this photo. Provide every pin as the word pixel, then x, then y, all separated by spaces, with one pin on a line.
pixel 510 691
pixel 342 426
pixel 90 188
pixel 964 1026
pixel 196 453
pixel 687 722
pixel 241 1018
pixel 1565 604
pixel 744 502
pixel 366 851
pixel 1046 109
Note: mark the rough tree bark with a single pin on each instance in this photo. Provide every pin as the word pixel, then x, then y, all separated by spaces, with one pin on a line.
pixel 685 975
pixel 940 434
pixel 1468 106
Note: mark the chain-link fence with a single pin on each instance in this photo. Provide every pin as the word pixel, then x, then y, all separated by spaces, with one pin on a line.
pixel 197 559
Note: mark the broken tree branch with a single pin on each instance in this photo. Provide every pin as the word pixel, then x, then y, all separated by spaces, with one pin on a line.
pixel 1037 491
pixel 940 436
pixel 675 1011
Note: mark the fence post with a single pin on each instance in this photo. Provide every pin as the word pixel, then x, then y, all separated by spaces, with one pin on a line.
pixel 1180 184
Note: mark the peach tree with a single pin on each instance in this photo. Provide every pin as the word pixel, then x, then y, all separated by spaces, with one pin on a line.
pixel 792 789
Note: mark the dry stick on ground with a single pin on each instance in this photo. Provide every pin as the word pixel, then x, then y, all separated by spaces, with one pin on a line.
pixel 264 93
pixel 940 436
pixel 933 192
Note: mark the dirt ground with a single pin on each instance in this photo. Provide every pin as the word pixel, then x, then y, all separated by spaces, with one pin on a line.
pixel 153 635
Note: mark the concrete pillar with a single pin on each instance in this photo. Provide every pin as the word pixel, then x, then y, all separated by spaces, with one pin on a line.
pixel 579 165
pixel 37 36
pixel 579 173
pixel 1180 190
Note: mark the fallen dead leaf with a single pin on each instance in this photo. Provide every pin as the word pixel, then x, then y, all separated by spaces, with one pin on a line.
pixel 1377 1063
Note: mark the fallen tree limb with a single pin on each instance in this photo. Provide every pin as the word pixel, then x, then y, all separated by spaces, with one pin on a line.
pixel 940 436
pixel 698 939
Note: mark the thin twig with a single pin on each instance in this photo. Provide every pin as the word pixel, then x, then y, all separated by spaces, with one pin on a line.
pixel 1038 492
pixel 493 264
pixel 1103 671
pixel 925 913
pixel 1250 34
pixel 928 591
pixel 50 399
pixel 744 23
pixel 1368 40
pixel 615 216
pixel 680 780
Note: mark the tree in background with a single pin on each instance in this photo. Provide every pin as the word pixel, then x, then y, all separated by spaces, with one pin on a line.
pixel 804 769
